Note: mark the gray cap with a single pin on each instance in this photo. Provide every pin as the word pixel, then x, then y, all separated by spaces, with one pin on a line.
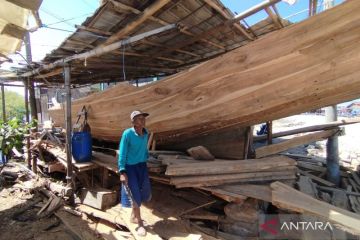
pixel 137 113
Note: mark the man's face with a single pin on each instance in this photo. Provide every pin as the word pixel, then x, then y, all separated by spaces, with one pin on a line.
pixel 139 121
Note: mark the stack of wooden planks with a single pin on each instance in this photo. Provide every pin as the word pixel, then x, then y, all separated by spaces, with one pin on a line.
pixel 218 172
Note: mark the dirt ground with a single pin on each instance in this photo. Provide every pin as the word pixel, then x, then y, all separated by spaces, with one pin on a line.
pixel 349 149
pixel 161 212
pixel 18 195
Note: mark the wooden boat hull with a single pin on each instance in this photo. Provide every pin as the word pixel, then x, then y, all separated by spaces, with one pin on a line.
pixel 305 66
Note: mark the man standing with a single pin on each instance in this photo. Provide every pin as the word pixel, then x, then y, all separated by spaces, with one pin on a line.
pixel 133 154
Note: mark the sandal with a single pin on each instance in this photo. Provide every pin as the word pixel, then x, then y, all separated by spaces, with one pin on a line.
pixel 141 231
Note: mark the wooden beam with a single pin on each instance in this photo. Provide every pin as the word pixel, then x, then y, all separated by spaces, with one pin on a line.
pixel 148 12
pixel 120 6
pixel 164 46
pixel 289 198
pixel 226 15
pixel 77 42
pixel 274 18
pixel 50 74
pixel 94 30
pixel 296 141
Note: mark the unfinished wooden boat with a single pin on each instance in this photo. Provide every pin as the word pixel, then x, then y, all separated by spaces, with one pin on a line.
pixel 306 66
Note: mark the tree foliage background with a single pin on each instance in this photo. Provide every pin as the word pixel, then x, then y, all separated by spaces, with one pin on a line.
pixel 14 105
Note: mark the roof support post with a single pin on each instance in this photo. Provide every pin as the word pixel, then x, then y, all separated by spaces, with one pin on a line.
pixel 67 80
pixel 332 146
pixel 27 117
pixel 33 109
pixel 3 102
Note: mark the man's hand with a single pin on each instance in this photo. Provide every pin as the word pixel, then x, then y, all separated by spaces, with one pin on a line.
pixel 123 178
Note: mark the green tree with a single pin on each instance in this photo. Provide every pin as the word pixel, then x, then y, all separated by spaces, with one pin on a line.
pixel 14 105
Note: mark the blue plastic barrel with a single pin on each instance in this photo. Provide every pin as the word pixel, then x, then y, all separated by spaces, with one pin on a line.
pixel 81 146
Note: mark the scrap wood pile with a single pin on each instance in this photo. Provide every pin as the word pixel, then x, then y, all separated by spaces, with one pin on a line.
pixel 41 145
pixel 293 185
pixel 239 192
pixel 195 171
pixel 32 207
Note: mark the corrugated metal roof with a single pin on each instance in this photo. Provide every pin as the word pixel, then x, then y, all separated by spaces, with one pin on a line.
pixel 159 55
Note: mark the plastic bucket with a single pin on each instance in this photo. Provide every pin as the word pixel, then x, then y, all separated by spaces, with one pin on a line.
pixel 81 144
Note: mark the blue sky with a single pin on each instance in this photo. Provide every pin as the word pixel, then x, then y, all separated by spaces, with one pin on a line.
pixel 299 8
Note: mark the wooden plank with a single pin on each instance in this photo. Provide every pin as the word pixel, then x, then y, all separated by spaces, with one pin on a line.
pixel 216 182
pixel 100 214
pixel 353 184
pixel 226 195
pixel 287 197
pixel 296 141
pixel 261 192
pixel 235 176
pixel 317 179
pixel 110 232
pixel 355 177
pixel 274 18
pixel 331 189
pixel 148 12
pixel 77 226
pixel 61 157
pixel 105 160
pixel 94 30
pixel 307 186
pixel 227 166
pixel 340 199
